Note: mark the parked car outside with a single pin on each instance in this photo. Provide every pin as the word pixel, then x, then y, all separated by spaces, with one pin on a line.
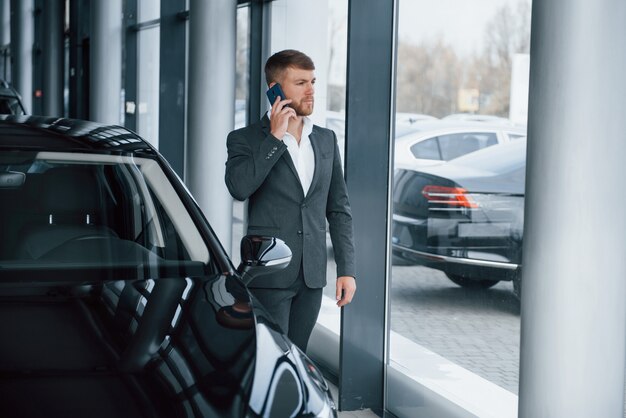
pixel 464 217
pixel 117 299
pixel 10 100
pixel 431 142
pixel 405 124
pixel 474 117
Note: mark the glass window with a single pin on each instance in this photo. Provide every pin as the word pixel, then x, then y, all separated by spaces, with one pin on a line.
pixel 148 10
pixel 455 145
pixel 427 149
pixel 242 95
pixel 323 37
pixel 457 225
pixel 242 66
pixel 148 67
pixel 88 210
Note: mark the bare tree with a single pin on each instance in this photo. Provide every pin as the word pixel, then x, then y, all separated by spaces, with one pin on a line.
pixel 428 78
pixel 507 33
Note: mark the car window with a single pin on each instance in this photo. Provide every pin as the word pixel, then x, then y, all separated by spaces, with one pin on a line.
pixel 99 211
pixel 427 149
pixel 456 145
pixel 513 136
pixel 10 106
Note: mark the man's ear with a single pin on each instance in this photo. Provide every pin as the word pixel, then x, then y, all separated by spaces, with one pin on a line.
pixel 271 84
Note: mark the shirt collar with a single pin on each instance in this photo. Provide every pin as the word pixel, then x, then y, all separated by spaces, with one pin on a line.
pixel 306 129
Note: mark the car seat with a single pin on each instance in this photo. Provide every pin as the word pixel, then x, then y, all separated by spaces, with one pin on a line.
pixel 69 207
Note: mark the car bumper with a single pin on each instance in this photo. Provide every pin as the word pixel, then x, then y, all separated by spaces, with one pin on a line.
pixel 462 266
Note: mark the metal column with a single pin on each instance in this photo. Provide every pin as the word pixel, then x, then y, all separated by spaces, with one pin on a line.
pixel 5 39
pixel 371 44
pixel 105 84
pixel 574 283
pixel 37 59
pixel 212 40
pixel 130 64
pixel 79 74
pixel 53 51
pixel 173 92
pixel 259 52
pixel 22 39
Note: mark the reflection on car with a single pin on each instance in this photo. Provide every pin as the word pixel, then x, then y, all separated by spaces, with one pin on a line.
pixel 431 142
pixel 117 299
pixel 10 100
pixel 464 217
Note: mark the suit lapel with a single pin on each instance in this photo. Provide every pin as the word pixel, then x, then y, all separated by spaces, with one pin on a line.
pixel 265 125
pixel 318 157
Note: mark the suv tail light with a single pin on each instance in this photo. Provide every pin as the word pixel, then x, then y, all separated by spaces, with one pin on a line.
pixel 451 196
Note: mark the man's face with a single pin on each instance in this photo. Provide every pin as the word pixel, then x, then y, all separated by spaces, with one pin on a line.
pixel 298 85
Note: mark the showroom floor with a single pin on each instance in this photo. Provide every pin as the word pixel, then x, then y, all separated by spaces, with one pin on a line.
pixel 365 413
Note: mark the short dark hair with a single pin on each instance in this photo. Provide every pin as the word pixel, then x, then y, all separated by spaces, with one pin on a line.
pixel 280 61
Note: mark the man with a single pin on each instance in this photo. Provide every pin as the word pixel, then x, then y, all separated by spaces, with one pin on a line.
pixel 290 170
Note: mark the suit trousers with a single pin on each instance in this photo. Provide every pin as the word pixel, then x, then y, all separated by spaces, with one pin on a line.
pixel 294 308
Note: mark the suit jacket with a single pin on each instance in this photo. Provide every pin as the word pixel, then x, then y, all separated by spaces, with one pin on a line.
pixel 259 168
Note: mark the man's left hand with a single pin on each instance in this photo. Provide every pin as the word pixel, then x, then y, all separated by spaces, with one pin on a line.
pixel 346 286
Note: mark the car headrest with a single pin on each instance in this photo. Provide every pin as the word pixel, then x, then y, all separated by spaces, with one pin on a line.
pixel 70 190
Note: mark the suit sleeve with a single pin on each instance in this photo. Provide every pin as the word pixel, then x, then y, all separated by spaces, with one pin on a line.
pixel 339 217
pixel 248 165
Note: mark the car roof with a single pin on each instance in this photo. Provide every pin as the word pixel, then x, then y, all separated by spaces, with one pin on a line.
pixel 49 133
pixel 433 126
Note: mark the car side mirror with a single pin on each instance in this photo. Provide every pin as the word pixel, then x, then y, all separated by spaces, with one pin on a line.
pixel 262 255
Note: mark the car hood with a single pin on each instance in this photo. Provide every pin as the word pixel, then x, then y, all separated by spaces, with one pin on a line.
pixel 269 376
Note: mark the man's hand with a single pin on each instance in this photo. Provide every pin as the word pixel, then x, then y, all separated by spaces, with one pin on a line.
pixel 281 113
pixel 346 286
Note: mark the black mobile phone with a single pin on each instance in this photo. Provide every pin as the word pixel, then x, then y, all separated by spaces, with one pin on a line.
pixel 274 92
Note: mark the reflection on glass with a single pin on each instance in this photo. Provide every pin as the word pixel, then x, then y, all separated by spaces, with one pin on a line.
pixel 458 186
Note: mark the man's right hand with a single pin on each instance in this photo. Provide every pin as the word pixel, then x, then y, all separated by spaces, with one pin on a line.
pixel 281 113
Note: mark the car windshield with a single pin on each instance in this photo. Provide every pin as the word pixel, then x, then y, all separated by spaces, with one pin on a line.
pixel 77 215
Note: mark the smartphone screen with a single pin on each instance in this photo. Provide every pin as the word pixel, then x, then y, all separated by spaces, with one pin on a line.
pixel 274 92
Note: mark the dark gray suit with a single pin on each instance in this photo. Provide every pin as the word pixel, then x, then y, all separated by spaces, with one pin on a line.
pixel 259 168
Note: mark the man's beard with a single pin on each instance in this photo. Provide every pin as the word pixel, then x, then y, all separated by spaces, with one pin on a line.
pixel 303 109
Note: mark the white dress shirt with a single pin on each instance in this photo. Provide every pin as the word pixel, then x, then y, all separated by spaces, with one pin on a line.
pixel 302 154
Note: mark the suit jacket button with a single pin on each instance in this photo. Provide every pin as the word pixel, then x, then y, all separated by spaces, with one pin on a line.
pixel 299 232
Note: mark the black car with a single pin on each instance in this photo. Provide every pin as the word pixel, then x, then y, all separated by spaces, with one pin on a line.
pixel 10 100
pixel 116 298
pixel 464 217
